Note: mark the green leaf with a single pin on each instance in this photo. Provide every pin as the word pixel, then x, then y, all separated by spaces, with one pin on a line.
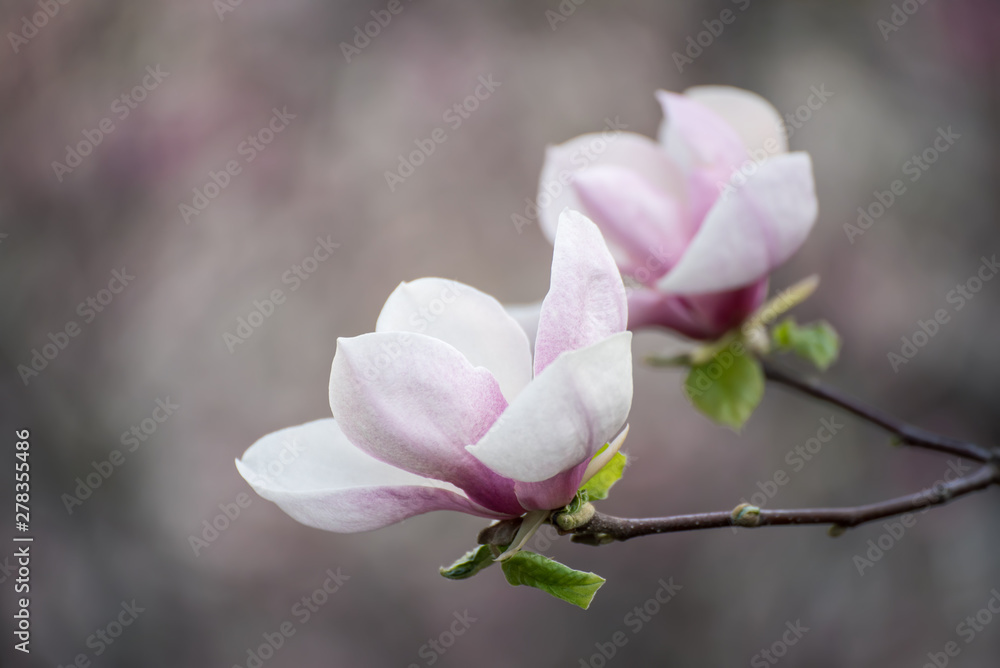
pixel 534 570
pixel 727 388
pixel 817 342
pixel 470 564
pixel 597 487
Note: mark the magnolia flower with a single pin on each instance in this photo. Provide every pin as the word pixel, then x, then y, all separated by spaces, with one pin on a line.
pixel 443 408
pixel 698 219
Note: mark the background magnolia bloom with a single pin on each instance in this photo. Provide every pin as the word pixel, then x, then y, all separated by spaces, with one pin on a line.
pixel 443 408
pixel 698 219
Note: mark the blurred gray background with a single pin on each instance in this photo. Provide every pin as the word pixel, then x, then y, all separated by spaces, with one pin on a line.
pixel 222 73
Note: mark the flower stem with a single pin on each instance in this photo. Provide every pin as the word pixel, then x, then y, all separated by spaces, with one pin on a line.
pixel 603 527
pixel 907 433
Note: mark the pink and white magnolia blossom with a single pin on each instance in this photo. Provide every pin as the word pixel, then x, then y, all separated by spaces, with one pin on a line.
pixel 697 219
pixel 443 407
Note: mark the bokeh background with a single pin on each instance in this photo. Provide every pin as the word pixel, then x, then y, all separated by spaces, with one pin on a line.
pixel 162 338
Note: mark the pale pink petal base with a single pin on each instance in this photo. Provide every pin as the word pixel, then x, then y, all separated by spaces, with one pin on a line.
pixel 700 317
pixel 313 473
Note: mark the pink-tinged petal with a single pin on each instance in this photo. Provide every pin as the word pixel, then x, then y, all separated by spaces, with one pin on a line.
pixel 755 119
pixel 586 299
pixel 698 138
pixel 701 317
pixel 623 149
pixel 472 321
pixel 415 402
pixel 564 415
pixel 526 316
pixel 646 223
pixel 555 492
pixel 319 478
pixel 751 230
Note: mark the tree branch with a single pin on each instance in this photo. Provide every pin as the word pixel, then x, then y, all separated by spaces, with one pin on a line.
pixel 907 433
pixel 603 528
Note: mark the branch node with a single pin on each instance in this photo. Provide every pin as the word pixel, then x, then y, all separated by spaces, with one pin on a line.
pixel 745 515
pixel 836 530
pixel 576 519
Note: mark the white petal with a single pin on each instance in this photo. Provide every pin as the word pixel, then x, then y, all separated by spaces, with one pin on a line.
pixel 586 301
pixel 574 407
pixel 472 321
pixel 624 149
pixel 415 402
pixel 755 119
pixel 750 230
pixel 319 478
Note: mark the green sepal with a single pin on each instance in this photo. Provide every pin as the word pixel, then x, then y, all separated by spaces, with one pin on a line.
pixel 559 580
pixel 470 564
pixel 817 342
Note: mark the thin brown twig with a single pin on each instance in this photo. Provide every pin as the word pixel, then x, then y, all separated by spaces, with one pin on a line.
pixel 907 433
pixel 605 528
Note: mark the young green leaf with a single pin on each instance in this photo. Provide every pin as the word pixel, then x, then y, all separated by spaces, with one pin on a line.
pixel 817 342
pixel 534 570
pixel 727 388
pixel 597 487
pixel 470 564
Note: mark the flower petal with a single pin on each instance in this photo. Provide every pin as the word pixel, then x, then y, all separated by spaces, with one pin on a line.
pixel 752 230
pixel 414 401
pixel 646 223
pixel 569 411
pixel 696 137
pixel 701 317
pixel 755 119
pixel 319 478
pixel 623 149
pixel 586 299
pixel 472 321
